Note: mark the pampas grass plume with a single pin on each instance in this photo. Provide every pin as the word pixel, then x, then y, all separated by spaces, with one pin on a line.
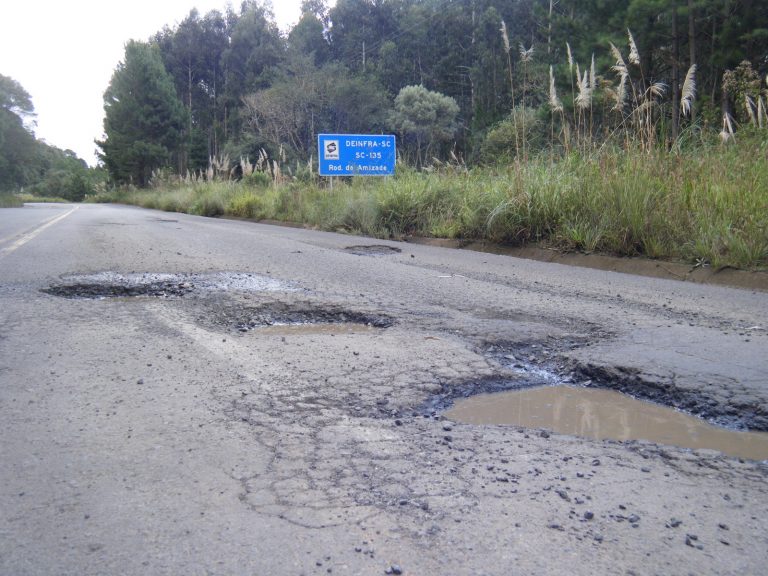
pixel 749 104
pixel 505 37
pixel 634 55
pixel 526 55
pixel 620 67
pixel 726 134
pixel 621 94
pixel 689 91
pixel 584 98
pixel 657 89
pixel 554 102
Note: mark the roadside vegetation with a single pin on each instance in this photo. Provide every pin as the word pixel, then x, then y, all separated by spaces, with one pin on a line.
pixel 628 151
pixel 516 121
pixel 707 206
pixel 617 165
pixel 9 201
pixel 28 197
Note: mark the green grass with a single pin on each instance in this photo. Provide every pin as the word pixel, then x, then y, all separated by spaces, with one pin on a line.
pixel 46 199
pixel 709 204
pixel 10 201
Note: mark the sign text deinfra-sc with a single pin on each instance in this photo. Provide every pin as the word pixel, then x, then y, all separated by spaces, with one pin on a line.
pixel 356 155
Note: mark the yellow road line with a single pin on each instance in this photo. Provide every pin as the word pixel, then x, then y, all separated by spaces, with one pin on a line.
pixel 33 233
pixel 24 233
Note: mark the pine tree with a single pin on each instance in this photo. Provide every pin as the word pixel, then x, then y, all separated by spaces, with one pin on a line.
pixel 144 118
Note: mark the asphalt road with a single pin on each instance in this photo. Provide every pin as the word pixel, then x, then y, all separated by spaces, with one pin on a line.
pixel 159 427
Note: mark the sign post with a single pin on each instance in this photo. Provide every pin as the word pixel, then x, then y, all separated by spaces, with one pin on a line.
pixel 356 155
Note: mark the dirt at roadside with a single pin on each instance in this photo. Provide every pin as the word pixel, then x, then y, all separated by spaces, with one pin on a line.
pixel 700 274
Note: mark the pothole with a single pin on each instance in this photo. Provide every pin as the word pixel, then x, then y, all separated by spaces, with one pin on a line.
pixel 548 392
pixel 316 329
pixel 307 317
pixel 605 415
pixel 741 416
pixel 114 285
pixel 372 250
pixel 530 364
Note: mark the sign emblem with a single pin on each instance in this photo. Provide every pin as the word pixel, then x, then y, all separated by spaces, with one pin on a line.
pixel 331 150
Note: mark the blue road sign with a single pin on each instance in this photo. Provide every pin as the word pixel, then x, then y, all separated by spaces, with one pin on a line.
pixel 356 155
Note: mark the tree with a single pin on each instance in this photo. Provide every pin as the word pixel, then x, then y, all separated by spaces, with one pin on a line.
pixel 742 88
pixel 308 101
pixel 357 28
pixel 14 99
pixel 308 38
pixel 357 104
pixel 424 119
pixel 255 49
pixel 192 54
pixel 63 175
pixel 17 143
pixel 246 86
pixel 490 99
pixel 144 119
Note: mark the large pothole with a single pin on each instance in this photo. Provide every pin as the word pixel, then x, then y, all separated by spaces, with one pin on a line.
pixel 372 250
pixel 740 416
pixel 601 414
pixel 528 365
pixel 304 314
pixel 547 391
pixel 114 285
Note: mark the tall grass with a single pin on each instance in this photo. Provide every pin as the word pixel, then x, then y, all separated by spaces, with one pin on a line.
pixel 9 201
pixel 706 205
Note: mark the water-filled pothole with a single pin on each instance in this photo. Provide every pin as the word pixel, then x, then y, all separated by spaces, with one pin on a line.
pixel 372 250
pixel 115 285
pixel 307 317
pixel 528 365
pixel 605 414
pixel 316 329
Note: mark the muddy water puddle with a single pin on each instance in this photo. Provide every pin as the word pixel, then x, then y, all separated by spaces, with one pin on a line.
pixel 605 415
pixel 372 250
pixel 315 329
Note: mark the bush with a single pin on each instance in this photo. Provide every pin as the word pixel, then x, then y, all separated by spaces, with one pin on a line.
pixel 246 204
pixel 173 200
pixel 257 180
pixel 504 139
pixel 209 199
pixel 70 185
pixel 9 201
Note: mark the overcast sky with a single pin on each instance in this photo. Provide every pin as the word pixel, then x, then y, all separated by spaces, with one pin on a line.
pixel 63 52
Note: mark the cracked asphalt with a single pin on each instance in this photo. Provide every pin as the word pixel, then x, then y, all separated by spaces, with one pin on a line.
pixel 180 427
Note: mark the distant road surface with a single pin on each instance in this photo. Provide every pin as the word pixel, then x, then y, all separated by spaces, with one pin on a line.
pixel 175 400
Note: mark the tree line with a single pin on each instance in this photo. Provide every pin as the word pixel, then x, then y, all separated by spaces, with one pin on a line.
pixel 31 164
pixel 473 80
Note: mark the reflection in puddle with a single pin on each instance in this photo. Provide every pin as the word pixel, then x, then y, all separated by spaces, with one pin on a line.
pixel 305 329
pixel 605 414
